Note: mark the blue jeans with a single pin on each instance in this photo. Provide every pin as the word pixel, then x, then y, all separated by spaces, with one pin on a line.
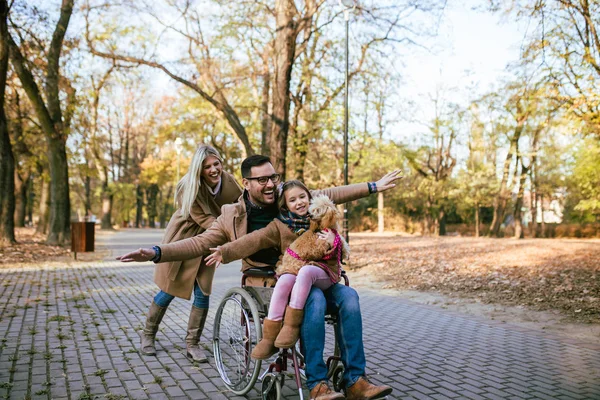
pixel 343 301
pixel 200 299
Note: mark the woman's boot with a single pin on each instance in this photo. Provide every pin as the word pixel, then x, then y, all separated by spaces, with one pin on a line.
pixel 148 334
pixel 265 349
pixel 192 339
pixel 290 332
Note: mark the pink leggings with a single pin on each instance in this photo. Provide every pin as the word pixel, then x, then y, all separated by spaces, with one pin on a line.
pixel 299 286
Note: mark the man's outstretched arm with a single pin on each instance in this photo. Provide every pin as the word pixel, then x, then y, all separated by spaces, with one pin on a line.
pixel 344 194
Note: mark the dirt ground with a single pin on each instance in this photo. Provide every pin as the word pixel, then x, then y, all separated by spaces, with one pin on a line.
pixel 551 285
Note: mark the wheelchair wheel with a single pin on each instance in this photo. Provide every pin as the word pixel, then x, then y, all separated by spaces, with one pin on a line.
pixel 236 331
pixel 271 387
pixel 337 377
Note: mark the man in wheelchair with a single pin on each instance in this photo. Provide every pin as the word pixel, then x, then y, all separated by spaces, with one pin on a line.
pixel 255 209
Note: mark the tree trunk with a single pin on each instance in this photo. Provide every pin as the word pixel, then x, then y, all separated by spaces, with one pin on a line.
pixel 22 189
pixel 139 204
pixel 380 221
pixel 265 120
pixel 167 208
pixel 7 160
pixel 44 207
pixel 285 48
pixel 107 202
pixel 503 195
pixel 87 203
pixel 30 201
pixel 543 233
pixel 442 222
pixel 50 119
pixel 519 234
pixel 59 231
pixel 476 220
pixel 151 196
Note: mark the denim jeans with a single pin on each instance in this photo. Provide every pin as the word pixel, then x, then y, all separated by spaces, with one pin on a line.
pixel 200 299
pixel 343 301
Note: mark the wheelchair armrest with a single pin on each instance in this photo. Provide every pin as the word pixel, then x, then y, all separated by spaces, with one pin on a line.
pixel 266 272
pixel 345 278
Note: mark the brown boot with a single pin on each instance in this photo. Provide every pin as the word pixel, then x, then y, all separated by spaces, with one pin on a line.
pixel 290 332
pixel 323 392
pixel 265 348
pixel 192 339
pixel 148 334
pixel 363 390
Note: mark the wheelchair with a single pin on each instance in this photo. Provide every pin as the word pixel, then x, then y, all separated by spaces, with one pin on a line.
pixel 238 328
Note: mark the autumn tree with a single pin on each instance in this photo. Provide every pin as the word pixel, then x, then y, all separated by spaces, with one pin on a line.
pixel 7 162
pixel 54 122
pixel 250 44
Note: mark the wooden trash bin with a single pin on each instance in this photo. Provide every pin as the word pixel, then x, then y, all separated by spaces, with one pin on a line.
pixel 82 237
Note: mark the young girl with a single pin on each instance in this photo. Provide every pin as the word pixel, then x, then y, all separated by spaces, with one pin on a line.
pixel 322 272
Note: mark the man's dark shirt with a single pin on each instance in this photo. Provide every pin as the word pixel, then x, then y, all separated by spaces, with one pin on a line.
pixel 258 218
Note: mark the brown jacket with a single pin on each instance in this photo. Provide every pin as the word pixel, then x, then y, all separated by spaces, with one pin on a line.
pixel 232 224
pixel 177 277
pixel 276 234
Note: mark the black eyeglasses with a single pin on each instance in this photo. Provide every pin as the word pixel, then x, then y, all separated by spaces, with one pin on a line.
pixel 262 180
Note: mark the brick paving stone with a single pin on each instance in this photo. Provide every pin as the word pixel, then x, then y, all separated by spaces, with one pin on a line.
pixel 421 351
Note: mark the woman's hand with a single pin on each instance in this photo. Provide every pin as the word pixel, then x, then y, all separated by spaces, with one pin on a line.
pixel 140 254
pixel 388 180
pixel 216 258
pixel 327 235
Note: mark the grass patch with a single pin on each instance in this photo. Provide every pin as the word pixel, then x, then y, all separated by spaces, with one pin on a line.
pixel 111 396
pixel 101 373
pixel 108 311
pixel 58 318
pixel 6 385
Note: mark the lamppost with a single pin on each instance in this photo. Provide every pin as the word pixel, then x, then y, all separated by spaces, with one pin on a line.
pixel 178 143
pixel 348 5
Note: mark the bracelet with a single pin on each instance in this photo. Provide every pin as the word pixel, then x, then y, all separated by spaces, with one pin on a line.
pixel 157 255
pixel 372 187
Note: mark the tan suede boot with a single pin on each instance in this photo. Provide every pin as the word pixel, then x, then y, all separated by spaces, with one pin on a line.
pixel 265 348
pixel 192 339
pixel 290 332
pixel 323 392
pixel 148 334
pixel 363 390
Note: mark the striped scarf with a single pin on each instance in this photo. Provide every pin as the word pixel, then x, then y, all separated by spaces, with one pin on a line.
pixel 298 224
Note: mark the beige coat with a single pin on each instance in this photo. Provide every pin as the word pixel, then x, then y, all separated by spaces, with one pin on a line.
pixel 232 224
pixel 277 234
pixel 177 277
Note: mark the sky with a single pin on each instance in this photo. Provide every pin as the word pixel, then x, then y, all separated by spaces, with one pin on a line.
pixel 466 59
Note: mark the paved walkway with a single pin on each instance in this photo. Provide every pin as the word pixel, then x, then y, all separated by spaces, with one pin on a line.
pixel 69 331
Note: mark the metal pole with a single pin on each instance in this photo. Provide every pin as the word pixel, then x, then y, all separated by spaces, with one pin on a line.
pixel 346 234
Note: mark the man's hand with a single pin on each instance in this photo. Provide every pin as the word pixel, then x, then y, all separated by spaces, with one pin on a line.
pixel 388 180
pixel 138 255
pixel 216 258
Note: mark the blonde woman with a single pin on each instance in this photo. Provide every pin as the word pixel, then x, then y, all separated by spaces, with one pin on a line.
pixel 200 194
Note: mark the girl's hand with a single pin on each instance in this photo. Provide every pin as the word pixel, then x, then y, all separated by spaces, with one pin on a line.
pixel 327 235
pixel 216 258
pixel 138 255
